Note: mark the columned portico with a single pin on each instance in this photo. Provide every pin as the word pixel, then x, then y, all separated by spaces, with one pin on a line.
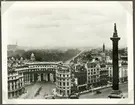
pixel 32 77
pixel 43 76
pixel 29 78
pixel 46 77
pixel 39 77
pixel 51 77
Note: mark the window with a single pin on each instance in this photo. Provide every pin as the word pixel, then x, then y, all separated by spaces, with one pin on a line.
pixel 67 83
pixel 9 88
pixel 91 70
pixel 67 91
pixel 63 83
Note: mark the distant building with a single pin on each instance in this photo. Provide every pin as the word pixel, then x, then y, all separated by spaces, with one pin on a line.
pixel 110 71
pixel 81 76
pixel 123 73
pixel 103 74
pixel 93 74
pixel 108 59
pixel 103 55
pixel 12 47
pixel 32 57
pixel 124 59
pixel 74 88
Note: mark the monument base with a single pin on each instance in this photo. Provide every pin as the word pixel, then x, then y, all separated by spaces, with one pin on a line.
pixel 116 94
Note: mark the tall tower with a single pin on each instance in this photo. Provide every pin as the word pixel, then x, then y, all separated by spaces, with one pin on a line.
pixel 103 54
pixel 103 47
pixel 115 40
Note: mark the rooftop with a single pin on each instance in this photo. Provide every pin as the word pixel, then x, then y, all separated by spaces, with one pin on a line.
pixel 41 63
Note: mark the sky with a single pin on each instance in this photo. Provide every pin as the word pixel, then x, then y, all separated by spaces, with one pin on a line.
pixel 64 24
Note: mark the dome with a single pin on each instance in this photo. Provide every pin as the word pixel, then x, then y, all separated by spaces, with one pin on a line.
pixel 32 55
pixel 21 58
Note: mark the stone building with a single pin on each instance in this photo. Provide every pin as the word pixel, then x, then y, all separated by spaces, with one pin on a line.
pixel 93 74
pixel 103 74
pixel 81 77
pixel 123 73
pixel 15 84
pixel 63 80
pixel 38 71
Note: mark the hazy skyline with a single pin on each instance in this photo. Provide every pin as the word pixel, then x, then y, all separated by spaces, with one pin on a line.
pixel 71 24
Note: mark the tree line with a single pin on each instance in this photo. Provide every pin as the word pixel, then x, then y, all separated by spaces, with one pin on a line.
pixel 45 55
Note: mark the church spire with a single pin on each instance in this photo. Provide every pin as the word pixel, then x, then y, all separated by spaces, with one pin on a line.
pixel 103 47
pixel 115 31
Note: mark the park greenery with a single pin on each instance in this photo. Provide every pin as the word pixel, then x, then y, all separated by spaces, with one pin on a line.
pixel 45 55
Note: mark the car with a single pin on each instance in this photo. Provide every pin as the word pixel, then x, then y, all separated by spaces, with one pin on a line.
pixel 114 95
pixel 98 92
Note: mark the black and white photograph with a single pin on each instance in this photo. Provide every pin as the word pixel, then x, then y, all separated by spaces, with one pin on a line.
pixel 58 50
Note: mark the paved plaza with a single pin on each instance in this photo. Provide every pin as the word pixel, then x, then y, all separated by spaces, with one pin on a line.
pixel 48 86
pixel 32 89
pixel 105 92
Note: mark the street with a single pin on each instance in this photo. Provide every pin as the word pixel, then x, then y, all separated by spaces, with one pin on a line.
pixel 31 90
pixel 48 86
pixel 105 92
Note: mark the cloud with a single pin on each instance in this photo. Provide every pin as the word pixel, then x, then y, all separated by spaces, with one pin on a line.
pixel 67 24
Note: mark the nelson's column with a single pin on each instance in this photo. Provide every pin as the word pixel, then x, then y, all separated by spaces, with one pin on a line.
pixel 116 93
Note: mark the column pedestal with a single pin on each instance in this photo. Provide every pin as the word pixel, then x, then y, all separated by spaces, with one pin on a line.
pixel 116 94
